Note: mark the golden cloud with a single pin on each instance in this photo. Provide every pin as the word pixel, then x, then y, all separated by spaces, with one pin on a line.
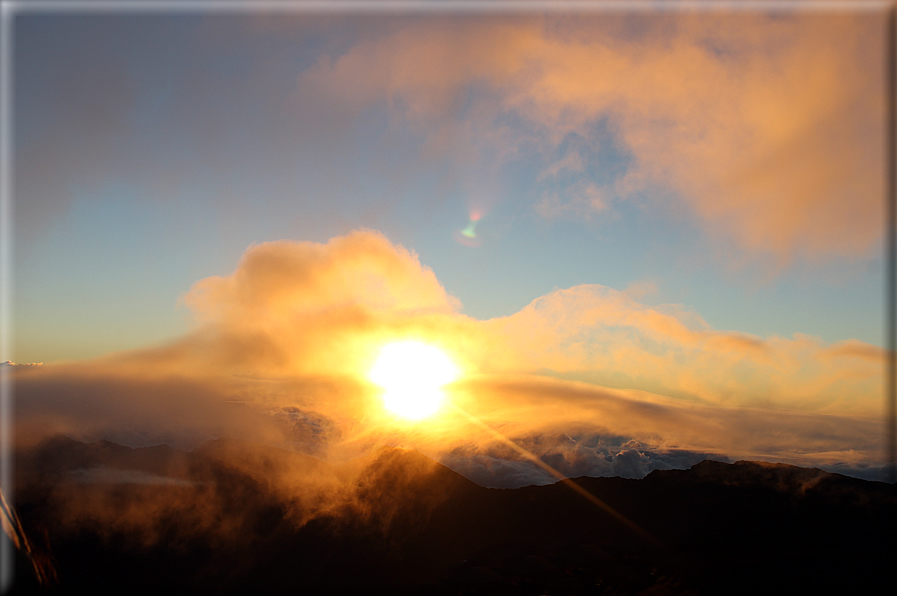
pixel 284 344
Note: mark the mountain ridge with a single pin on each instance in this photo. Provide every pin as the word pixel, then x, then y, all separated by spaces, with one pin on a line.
pixel 250 518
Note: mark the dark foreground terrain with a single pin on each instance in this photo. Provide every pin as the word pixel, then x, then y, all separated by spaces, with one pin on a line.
pixel 237 518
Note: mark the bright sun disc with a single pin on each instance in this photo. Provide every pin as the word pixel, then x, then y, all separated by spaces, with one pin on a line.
pixel 412 374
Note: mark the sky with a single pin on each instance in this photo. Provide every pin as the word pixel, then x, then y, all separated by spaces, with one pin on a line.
pixel 642 235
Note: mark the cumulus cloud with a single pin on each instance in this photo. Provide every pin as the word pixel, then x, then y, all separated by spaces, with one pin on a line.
pixel 768 128
pixel 605 336
pixel 297 325
pixel 282 348
pixel 307 308
pixel 275 279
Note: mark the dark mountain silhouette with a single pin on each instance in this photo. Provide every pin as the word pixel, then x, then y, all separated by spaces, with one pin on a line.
pixel 237 518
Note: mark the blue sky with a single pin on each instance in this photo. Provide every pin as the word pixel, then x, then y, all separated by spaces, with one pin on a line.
pixel 151 152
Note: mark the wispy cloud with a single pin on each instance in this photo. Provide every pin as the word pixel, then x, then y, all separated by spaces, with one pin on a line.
pixel 767 128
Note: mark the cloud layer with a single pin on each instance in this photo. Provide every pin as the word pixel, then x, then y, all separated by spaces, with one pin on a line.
pixel 282 347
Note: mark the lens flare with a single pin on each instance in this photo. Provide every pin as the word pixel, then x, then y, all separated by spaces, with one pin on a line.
pixel 468 236
pixel 470 230
pixel 412 374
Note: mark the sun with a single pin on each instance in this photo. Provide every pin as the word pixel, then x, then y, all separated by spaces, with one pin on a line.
pixel 412 374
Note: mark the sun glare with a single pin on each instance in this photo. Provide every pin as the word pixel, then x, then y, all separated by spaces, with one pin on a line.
pixel 412 374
